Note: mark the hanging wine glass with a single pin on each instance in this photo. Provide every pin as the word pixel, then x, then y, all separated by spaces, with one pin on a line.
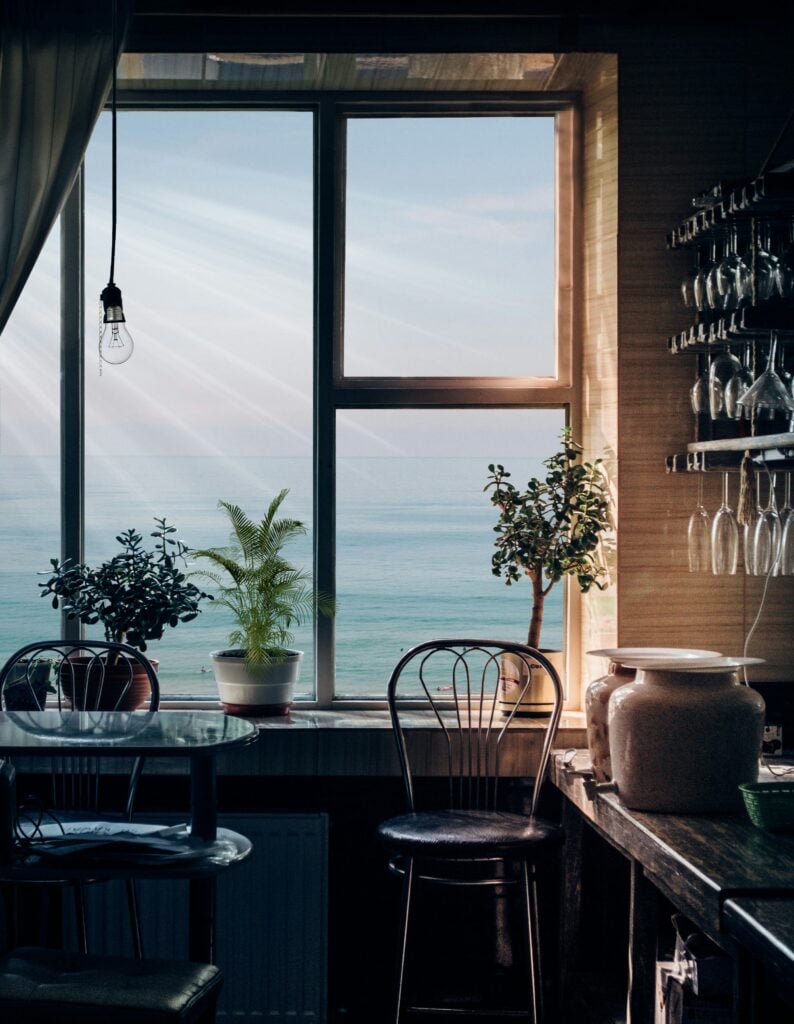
pixel 699 535
pixel 711 280
pixel 787 266
pixel 766 539
pixel 748 530
pixel 721 372
pixel 699 281
pixel 786 557
pixel 699 392
pixel 724 537
pixel 732 276
pixel 765 265
pixel 768 393
pixel 688 282
pixel 739 383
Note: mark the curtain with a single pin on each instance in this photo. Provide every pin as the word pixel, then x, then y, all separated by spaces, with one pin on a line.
pixel 55 72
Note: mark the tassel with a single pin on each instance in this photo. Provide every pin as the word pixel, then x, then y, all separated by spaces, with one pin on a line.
pixel 744 505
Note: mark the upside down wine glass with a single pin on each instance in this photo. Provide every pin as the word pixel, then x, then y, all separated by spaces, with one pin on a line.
pixel 724 537
pixel 699 535
pixel 766 541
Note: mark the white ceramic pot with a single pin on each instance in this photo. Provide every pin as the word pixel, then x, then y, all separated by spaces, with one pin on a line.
pixel 683 739
pixel 597 694
pixel 267 690
pixel 538 701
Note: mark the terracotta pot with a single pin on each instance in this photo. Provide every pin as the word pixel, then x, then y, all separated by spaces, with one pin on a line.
pixel 103 687
pixel 267 690
pixel 538 700
pixel 682 740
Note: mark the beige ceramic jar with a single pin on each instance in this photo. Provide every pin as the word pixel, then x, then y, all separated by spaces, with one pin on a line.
pixel 682 739
pixel 597 695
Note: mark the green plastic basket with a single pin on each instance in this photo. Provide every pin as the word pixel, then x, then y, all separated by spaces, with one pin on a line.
pixel 770 805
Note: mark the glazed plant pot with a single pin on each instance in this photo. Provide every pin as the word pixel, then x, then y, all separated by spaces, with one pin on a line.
pixel 267 690
pixel 682 740
pixel 538 700
pixel 89 685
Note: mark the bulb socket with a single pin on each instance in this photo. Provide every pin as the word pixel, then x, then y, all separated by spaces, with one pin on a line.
pixel 111 301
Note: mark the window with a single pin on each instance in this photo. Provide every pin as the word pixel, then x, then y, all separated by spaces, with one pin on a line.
pixel 365 298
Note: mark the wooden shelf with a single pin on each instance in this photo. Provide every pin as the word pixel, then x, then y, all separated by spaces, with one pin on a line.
pixel 752 323
pixel 769 196
pixel 773 450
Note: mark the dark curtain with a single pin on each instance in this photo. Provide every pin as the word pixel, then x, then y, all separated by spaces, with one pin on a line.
pixel 55 72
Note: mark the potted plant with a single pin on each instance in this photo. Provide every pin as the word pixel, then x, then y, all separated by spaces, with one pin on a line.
pixel 267 597
pixel 136 595
pixel 551 529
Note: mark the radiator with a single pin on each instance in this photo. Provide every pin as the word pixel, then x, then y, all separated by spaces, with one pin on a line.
pixel 271 924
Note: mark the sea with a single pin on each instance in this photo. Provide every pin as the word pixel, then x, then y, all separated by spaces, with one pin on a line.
pixel 414 538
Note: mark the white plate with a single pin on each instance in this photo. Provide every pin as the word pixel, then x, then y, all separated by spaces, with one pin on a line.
pixel 652 654
pixel 719 664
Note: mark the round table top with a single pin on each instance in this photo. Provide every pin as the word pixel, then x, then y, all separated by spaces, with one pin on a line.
pixel 123 733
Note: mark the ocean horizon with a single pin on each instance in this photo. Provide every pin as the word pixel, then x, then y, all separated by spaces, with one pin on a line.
pixel 414 543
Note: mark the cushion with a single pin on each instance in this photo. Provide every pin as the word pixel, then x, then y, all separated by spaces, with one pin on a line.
pixel 56 987
pixel 469 834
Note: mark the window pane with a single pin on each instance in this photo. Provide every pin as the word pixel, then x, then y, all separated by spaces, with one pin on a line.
pixel 215 264
pixel 450 247
pixel 415 533
pixel 29 449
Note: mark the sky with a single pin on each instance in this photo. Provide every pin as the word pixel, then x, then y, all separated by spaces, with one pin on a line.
pixel 449 270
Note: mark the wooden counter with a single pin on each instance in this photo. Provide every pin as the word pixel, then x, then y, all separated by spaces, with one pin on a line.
pixel 700 863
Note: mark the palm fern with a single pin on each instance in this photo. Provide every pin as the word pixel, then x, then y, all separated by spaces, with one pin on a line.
pixel 266 595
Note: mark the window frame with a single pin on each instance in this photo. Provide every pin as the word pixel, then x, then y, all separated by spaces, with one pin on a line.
pixel 333 390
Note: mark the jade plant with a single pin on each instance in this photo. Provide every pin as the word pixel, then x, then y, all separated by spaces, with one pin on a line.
pixel 265 593
pixel 136 595
pixel 552 528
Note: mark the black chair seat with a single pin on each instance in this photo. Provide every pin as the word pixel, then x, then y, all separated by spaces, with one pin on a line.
pixel 48 986
pixel 469 834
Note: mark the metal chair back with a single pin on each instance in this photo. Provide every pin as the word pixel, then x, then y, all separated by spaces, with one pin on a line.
pixel 461 681
pixel 89 676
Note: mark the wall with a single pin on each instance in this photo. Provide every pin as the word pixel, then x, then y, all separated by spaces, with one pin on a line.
pixel 690 114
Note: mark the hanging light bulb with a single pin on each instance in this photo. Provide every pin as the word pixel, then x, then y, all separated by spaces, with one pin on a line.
pixel 115 341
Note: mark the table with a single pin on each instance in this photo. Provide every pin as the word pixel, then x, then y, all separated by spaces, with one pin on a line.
pixel 701 863
pixel 197 735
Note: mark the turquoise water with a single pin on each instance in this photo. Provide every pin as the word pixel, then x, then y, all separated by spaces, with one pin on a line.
pixel 414 542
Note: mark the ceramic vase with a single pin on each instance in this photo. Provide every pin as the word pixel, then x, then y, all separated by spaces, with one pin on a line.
pixel 682 740
pixel 596 702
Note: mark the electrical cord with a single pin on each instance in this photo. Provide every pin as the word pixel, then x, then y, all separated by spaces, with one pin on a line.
pixel 778 771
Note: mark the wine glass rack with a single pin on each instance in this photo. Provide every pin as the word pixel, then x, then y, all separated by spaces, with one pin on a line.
pixel 736 207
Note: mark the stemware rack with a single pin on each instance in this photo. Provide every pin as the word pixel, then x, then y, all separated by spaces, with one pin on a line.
pixel 769 197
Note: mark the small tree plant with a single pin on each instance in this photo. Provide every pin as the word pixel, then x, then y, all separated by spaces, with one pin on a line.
pixel 136 595
pixel 552 528
pixel 265 593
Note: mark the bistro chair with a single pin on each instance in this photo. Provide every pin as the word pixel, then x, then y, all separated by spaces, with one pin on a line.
pixel 470 842
pixel 89 676
pixel 47 986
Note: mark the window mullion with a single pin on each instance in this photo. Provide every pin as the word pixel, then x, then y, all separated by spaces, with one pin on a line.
pixel 328 261
pixel 72 384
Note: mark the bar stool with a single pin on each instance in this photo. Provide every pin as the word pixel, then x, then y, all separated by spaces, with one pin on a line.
pixel 470 842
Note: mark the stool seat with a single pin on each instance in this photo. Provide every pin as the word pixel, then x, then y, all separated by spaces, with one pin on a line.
pixel 469 834
pixel 49 986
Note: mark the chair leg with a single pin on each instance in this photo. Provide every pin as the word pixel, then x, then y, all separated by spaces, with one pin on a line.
pixel 533 945
pixel 135 920
pixel 79 916
pixel 408 882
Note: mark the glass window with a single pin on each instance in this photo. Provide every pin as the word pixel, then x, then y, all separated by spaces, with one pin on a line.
pixel 444 304
pixel 415 533
pixel 29 451
pixel 214 259
pixel 450 250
